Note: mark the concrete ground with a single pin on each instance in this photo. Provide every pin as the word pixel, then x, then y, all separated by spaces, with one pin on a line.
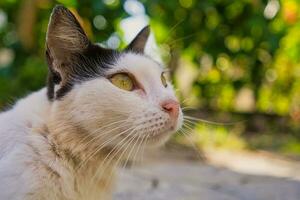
pixel 224 176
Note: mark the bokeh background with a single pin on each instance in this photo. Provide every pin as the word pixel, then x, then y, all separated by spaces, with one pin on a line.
pixel 231 61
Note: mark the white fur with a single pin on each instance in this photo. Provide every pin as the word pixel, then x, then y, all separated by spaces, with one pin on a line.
pixel 92 105
pixel 15 126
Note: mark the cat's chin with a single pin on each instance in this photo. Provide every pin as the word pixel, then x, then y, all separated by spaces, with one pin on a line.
pixel 159 139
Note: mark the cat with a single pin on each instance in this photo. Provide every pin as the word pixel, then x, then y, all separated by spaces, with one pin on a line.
pixel 100 107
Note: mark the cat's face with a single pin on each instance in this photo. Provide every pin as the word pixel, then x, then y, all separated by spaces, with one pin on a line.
pixel 141 105
pixel 115 97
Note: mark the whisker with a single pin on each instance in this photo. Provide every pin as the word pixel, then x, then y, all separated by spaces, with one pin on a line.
pixel 116 146
pixel 192 123
pixel 138 148
pixel 105 133
pixel 104 165
pixel 187 108
pixel 185 100
pixel 212 122
pixel 103 145
pixel 143 148
pixel 118 160
pixel 129 154
pixel 122 122
pixel 181 39
pixel 188 137
pixel 171 30
pixel 189 126
pixel 115 153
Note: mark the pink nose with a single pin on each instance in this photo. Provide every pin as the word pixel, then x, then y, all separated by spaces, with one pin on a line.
pixel 171 107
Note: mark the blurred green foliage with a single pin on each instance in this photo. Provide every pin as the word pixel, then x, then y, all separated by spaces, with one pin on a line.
pixel 234 56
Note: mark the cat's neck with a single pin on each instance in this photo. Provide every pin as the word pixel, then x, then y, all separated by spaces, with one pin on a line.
pixel 45 117
pixel 74 145
pixel 67 143
pixel 92 168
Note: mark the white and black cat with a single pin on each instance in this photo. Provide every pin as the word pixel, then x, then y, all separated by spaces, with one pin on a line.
pixel 99 108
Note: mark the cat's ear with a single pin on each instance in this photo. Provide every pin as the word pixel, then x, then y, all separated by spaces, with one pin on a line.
pixel 65 38
pixel 139 42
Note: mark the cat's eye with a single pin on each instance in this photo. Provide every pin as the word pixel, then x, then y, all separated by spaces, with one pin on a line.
pixel 122 81
pixel 163 79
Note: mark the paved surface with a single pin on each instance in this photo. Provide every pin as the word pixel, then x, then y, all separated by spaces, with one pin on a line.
pixel 168 177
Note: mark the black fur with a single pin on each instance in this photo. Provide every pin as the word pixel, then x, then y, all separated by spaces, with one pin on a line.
pixel 72 62
pixel 53 76
pixel 88 65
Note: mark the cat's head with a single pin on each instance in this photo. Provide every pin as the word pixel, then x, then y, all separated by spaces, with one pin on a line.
pixel 113 96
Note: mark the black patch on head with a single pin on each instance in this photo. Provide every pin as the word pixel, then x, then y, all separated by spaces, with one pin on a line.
pixel 72 58
pixel 92 63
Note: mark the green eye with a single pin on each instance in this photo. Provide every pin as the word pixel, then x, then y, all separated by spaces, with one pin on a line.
pixel 122 81
pixel 163 80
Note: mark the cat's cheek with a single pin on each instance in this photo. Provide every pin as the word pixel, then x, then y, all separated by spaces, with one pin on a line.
pixel 141 93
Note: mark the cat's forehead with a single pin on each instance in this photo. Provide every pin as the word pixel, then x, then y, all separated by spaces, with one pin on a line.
pixel 137 64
